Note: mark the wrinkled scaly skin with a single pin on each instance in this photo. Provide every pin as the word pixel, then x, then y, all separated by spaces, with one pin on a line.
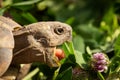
pixel 33 43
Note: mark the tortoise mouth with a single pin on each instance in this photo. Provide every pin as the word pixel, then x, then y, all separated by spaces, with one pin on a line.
pixel 51 59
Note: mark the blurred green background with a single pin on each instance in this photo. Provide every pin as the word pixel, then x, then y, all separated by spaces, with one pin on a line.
pixel 95 25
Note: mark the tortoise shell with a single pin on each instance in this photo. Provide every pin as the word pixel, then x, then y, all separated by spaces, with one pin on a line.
pixel 6 42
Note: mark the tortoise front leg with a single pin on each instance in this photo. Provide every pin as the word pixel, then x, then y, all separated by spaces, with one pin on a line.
pixel 24 69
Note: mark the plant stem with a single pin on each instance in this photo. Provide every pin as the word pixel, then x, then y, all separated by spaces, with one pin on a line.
pixel 31 74
pixel 100 76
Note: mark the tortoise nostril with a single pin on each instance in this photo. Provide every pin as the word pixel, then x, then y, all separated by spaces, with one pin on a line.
pixel 59 31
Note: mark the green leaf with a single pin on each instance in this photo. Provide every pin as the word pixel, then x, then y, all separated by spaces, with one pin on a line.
pixel 23 18
pixel 117 46
pixel 115 22
pixel 88 50
pixel 2 10
pixel 18 18
pixel 29 17
pixel 80 60
pixel 114 76
pixel 78 43
pixel 115 61
pixel 65 75
pixel 90 34
pixel 115 64
pixel 88 31
pixel 70 20
pixel 69 47
pixel 69 52
pixel 108 16
pixel 56 73
pixel 23 3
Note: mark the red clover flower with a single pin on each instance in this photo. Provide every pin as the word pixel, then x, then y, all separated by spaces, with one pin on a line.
pixel 99 62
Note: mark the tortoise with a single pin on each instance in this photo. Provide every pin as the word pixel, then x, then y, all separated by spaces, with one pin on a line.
pixel 35 42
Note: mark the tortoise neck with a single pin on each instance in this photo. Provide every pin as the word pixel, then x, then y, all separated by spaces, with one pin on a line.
pixel 21 39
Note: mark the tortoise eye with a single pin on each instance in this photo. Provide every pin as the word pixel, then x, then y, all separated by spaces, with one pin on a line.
pixel 59 30
pixel 43 41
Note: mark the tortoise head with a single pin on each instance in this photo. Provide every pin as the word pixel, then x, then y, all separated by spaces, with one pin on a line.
pixel 42 39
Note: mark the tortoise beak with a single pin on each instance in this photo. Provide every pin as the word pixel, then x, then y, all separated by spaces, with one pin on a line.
pixel 51 59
